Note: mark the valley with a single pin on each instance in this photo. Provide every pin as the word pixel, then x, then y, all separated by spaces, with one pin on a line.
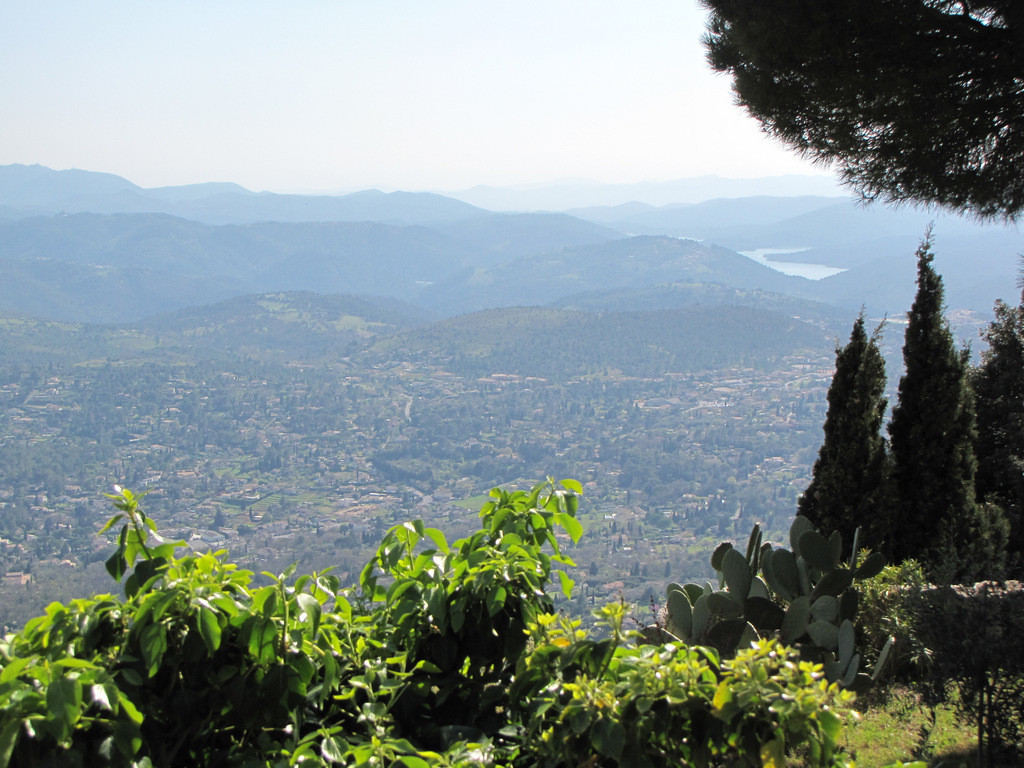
pixel 287 376
pixel 310 457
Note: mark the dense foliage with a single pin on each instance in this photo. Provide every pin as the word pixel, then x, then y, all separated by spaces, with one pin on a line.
pixel 939 122
pixel 973 636
pixel 932 434
pixel 998 384
pixel 445 655
pixel 850 480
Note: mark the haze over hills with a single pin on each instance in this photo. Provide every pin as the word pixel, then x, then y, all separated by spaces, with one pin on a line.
pixel 94 247
pixel 35 190
pixel 625 263
pixel 313 328
pixel 566 195
pixel 427 350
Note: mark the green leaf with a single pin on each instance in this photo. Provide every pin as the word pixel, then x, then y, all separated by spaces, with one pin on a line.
pixel 8 740
pixel 265 601
pixel 154 646
pixel 13 669
pixel 883 657
pixel 726 635
pixel 724 605
pixel 567 584
pixel 723 695
pixel 130 676
pixel 110 523
pixel 128 741
pixel 71 662
pixel 209 629
pixel 331 750
pixel 98 694
pixel 312 609
pixel 262 641
pixel 457 614
pixel 701 616
pixel 129 708
pixel 343 608
pixel 573 485
pixel 608 737
pixel 773 754
pixel 116 564
pixel 765 615
pixel 438 538
pixel 64 701
pixel 572 503
pixel 572 527
pixel 846 640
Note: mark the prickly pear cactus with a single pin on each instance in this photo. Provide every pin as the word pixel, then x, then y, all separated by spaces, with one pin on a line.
pixel 804 596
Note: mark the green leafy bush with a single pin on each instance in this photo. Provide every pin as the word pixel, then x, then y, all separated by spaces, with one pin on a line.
pixel 608 703
pixel 886 610
pixel 443 655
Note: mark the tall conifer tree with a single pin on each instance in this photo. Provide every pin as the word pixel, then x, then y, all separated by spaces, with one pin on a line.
pixel 848 489
pixel 932 435
pixel 999 394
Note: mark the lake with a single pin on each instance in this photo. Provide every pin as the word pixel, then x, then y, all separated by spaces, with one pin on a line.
pixel 794 268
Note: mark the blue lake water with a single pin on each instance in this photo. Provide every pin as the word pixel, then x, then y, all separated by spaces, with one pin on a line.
pixel 794 268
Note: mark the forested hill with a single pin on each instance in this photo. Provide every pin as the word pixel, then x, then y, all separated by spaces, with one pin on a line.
pixel 530 341
pixel 271 327
pixel 117 268
pixel 623 264
pixel 557 345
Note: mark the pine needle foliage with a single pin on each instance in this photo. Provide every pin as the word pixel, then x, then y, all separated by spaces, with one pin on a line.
pixel 918 100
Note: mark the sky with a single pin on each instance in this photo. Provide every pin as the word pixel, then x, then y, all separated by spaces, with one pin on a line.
pixel 336 95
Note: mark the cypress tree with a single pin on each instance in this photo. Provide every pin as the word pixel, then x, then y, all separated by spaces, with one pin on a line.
pixel 999 394
pixel 848 488
pixel 932 435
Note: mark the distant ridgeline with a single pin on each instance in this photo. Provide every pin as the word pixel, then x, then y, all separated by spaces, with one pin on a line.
pixel 78 246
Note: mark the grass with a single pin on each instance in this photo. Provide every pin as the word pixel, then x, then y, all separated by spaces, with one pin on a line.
pixel 898 726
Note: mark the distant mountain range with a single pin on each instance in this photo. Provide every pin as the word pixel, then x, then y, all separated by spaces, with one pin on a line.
pixel 563 196
pixel 35 190
pixel 93 247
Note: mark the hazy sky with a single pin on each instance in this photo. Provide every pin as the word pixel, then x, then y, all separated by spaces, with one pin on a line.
pixel 338 94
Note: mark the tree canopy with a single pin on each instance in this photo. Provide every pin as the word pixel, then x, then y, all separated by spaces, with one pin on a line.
pixel 998 384
pixel 848 488
pixel 914 100
pixel 932 435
